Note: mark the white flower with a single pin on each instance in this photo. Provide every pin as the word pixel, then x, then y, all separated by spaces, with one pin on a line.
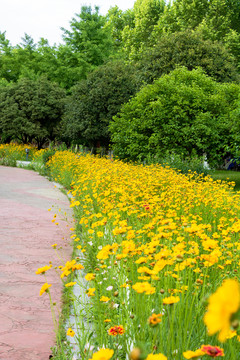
pixel 90 243
pixel 115 306
pixel 109 288
pixel 100 247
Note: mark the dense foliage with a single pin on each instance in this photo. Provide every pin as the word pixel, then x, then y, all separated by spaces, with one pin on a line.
pixel 95 101
pixel 31 110
pixel 186 112
pixel 189 49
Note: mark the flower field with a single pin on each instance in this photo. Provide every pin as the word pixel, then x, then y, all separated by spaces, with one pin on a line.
pixel 156 245
pixel 10 153
pixel 160 255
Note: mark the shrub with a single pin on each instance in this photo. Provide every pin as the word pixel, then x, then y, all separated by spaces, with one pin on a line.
pixel 186 112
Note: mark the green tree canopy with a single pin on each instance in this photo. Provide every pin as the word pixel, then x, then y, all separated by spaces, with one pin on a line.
pixel 31 110
pixel 146 16
pixel 95 100
pixel 89 36
pixel 188 49
pixel 182 112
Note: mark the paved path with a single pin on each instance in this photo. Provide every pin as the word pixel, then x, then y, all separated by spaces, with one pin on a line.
pixel 26 236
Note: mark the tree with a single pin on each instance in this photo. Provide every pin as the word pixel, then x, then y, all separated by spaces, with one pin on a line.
pixel 214 18
pixel 95 100
pixel 28 60
pixel 117 20
pixel 185 112
pixel 146 15
pixel 31 110
pixel 188 49
pixel 89 37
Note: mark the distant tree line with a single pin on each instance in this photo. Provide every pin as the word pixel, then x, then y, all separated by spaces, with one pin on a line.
pixel 155 78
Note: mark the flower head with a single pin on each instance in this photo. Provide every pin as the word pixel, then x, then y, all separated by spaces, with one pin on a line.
pixel 90 276
pixel 221 306
pixel 193 354
pixel 43 269
pixel 70 332
pixel 116 330
pixel 104 299
pixel 103 354
pixel 154 319
pixel 90 292
pixel 156 357
pixel 72 283
pixel 212 351
pixel 142 287
pixel 44 288
pixel 171 300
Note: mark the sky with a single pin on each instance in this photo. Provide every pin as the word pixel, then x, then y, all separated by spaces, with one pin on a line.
pixel 44 18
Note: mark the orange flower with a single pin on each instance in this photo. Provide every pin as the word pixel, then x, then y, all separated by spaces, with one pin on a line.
pixel 154 319
pixel 116 330
pixel 212 351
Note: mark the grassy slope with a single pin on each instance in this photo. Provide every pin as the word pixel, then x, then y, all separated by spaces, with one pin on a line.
pixel 227 175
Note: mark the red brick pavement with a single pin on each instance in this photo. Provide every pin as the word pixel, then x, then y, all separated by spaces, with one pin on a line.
pixel 26 236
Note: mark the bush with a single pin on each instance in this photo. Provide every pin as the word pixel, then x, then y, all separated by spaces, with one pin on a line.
pixel 186 112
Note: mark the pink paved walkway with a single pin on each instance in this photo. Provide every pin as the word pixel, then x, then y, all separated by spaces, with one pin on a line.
pixel 26 236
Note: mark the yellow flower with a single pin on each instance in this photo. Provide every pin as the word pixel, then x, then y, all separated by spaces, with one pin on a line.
pixel 90 276
pixel 90 292
pixel 43 269
pixel 70 332
pixel 70 284
pixel 192 354
pixel 156 357
pixel 107 320
pixel 78 267
pixel 44 288
pixel 104 299
pixel 222 305
pixel 142 287
pixel 103 354
pixel 171 300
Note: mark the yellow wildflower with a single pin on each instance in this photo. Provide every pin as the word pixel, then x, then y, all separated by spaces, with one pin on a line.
pixel 171 300
pixel 222 305
pixel 70 284
pixel 43 269
pixel 44 288
pixel 156 357
pixel 103 354
pixel 193 354
pixel 104 299
pixel 70 332
pixel 90 276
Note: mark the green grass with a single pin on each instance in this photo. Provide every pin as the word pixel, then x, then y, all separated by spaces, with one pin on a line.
pixel 227 175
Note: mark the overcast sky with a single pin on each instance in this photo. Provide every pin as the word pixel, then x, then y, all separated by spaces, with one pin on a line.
pixel 43 18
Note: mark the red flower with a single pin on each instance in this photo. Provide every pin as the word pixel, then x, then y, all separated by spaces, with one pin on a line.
pixel 147 207
pixel 116 330
pixel 212 351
